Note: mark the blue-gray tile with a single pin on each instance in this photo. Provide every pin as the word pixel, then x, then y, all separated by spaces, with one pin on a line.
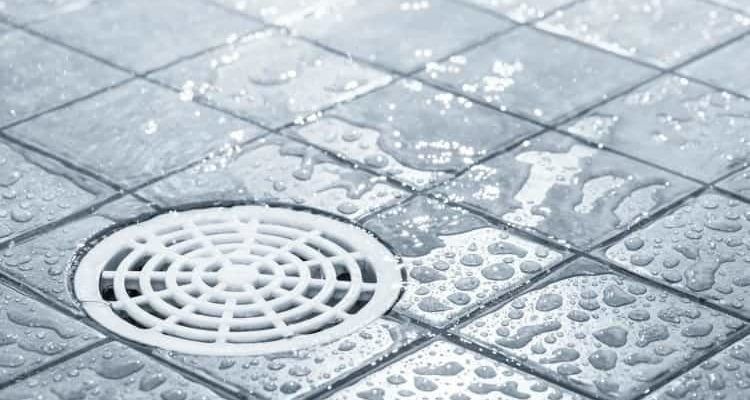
pixel 37 75
pixel 292 80
pixel 125 32
pixel 738 183
pixel 675 123
pixel 112 371
pixel 35 191
pixel 557 186
pixel 511 73
pixel 741 5
pixel 276 169
pixel 25 11
pixel 721 68
pixel 34 334
pixel 279 12
pixel 43 262
pixel 399 35
pixel 134 133
pixel 663 33
pixel 609 335
pixel 522 10
pixel 414 133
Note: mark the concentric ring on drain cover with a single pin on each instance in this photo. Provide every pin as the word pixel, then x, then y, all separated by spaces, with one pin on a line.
pixel 242 280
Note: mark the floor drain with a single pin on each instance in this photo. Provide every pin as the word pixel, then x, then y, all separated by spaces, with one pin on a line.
pixel 243 280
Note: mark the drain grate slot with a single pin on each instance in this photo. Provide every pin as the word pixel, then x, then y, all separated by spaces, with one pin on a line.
pixel 243 280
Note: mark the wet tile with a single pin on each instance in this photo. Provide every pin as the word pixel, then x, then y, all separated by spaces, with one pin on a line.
pixel 723 376
pixel 511 73
pixel 522 10
pixel 443 370
pixel 660 32
pixel 112 371
pixel 455 261
pixel 38 75
pixel 721 68
pixel 134 133
pixel 293 80
pixel 43 262
pixel 741 5
pixel 414 133
pixel 123 31
pixel 281 12
pixel 700 248
pixel 34 334
pixel 35 191
pixel 739 183
pixel 293 375
pixel 557 186
pixel 675 123
pixel 607 334
pixel 277 169
pixel 25 11
pixel 400 35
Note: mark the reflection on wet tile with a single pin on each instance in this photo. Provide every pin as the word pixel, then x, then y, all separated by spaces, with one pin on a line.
pixel 722 68
pixel 35 191
pixel 44 262
pixel 663 32
pixel 280 12
pixel 675 123
pixel 293 375
pixel 610 335
pixel 445 371
pixel 511 73
pixel 739 183
pixel 112 371
pixel 25 11
pixel 134 133
pixel 277 169
pixel 723 376
pixel 742 5
pixel 37 76
pixel 700 248
pixel 522 10
pixel 34 334
pixel 560 187
pixel 124 32
pixel 414 133
pixel 455 262
pixel 398 34
pixel 292 80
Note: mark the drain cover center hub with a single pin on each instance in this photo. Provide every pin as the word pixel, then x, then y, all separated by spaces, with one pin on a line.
pixel 243 280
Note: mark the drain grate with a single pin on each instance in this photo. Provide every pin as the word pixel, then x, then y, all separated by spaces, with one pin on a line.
pixel 243 280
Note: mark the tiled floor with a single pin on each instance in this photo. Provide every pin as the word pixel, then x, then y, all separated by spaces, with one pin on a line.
pixel 565 181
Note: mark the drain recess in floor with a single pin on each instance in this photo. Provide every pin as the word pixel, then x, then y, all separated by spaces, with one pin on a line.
pixel 242 280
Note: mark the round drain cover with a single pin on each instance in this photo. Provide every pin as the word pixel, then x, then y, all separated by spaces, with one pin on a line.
pixel 243 280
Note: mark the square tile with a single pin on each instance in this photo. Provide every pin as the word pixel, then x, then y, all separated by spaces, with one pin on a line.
pixel 123 32
pixel 34 334
pixel 663 33
pixel 557 186
pixel 43 262
pixel 397 34
pixel 674 123
pixel 723 376
pixel 414 133
pixel 134 133
pixel 25 11
pixel 455 261
pixel 741 5
pixel 511 73
pixel 443 370
pixel 739 183
pixel 296 374
pixel 112 371
pixel 276 169
pixel 700 248
pixel 721 68
pixel 35 191
pixel 280 12
pixel 607 334
pixel 37 75
pixel 522 10
pixel 292 80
